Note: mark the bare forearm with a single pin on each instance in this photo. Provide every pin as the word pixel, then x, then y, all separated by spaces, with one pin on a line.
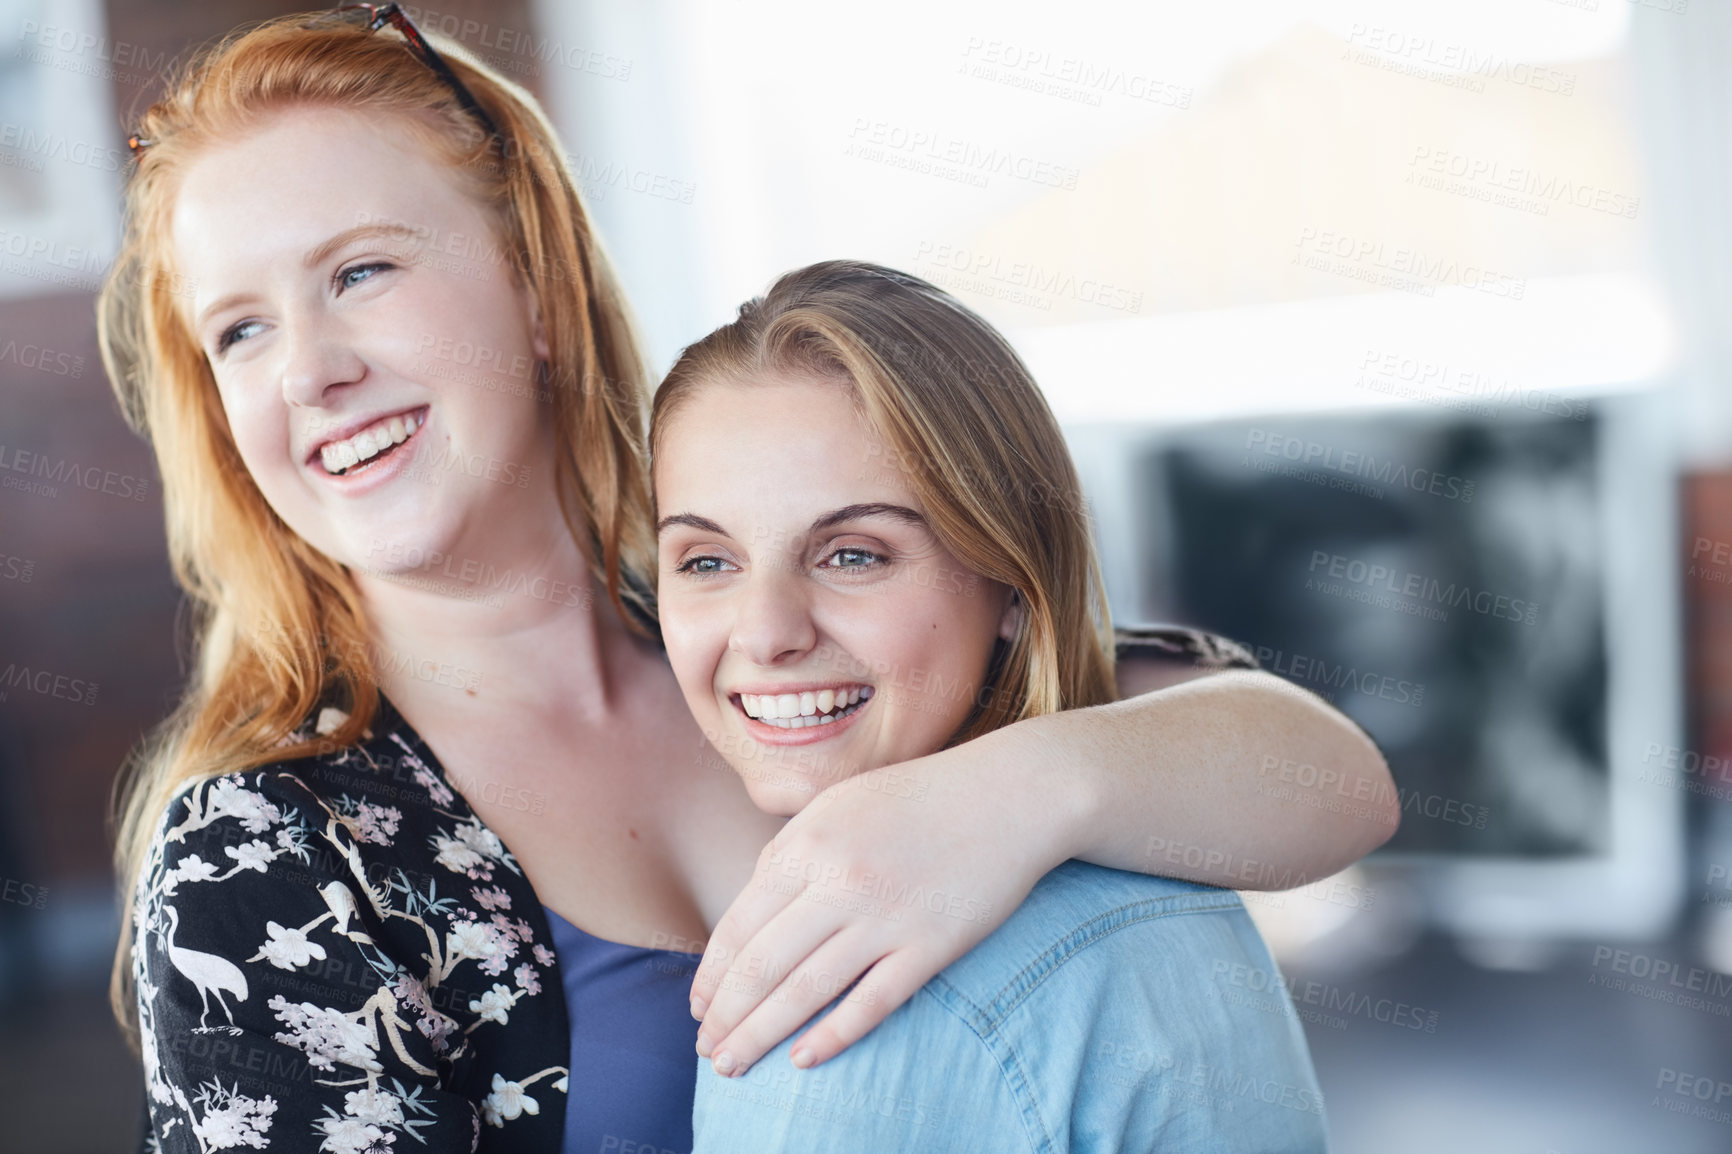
pixel 1236 779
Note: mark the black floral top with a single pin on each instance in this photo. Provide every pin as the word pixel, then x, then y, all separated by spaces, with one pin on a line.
pixel 335 953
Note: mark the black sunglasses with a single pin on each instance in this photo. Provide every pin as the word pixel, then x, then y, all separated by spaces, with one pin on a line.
pixel 377 16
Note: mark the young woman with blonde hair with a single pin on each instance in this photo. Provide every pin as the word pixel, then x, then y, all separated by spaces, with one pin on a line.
pixel 857 478
pixel 399 414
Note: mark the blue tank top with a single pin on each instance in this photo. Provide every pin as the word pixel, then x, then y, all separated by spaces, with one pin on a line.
pixel 633 1044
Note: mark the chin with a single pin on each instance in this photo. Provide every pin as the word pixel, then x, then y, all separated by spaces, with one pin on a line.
pixel 778 792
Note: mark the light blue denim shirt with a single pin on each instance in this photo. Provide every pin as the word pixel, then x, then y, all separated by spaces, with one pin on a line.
pixel 1110 1012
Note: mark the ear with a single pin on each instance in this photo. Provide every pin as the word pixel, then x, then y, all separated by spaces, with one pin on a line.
pixel 537 330
pixel 1012 619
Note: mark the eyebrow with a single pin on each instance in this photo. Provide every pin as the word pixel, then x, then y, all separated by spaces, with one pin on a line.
pixel 829 520
pixel 319 255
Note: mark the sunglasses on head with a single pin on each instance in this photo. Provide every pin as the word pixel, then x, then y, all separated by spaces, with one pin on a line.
pixel 376 16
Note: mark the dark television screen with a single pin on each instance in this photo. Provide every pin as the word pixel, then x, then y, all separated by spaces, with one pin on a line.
pixel 1437 579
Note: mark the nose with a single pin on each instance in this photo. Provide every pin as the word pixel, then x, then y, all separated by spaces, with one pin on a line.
pixel 318 357
pixel 773 624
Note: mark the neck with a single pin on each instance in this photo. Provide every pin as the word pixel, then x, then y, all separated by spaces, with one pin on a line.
pixel 532 630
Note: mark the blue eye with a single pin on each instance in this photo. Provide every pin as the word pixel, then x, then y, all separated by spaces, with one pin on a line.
pixel 855 559
pixel 702 566
pixel 350 277
pixel 239 331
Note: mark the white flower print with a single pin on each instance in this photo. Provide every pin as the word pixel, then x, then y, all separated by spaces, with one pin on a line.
pixel 226 797
pixel 372 1066
pixel 494 1005
pixel 459 858
pixel 255 855
pixel 353 1136
pixel 505 948
pixel 191 869
pixel 232 1119
pixel 289 948
pixel 330 720
pixel 374 1105
pixel 479 941
pixel 506 1102
pixel 481 839
pixel 326 1036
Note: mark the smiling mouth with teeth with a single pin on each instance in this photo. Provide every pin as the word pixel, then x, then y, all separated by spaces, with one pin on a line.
pixel 802 710
pixel 377 440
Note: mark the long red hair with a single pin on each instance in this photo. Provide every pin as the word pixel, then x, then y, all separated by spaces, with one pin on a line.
pixel 279 628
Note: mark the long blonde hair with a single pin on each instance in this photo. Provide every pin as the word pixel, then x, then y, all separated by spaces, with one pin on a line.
pixel 279 628
pixel 964 421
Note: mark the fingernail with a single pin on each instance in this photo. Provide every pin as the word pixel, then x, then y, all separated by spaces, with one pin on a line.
pixel 698 1008
pixel 724 1063
pixel 705 1045
pixel 802 1057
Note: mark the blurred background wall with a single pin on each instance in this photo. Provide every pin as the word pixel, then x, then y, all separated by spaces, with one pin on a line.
pixel 1388 335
